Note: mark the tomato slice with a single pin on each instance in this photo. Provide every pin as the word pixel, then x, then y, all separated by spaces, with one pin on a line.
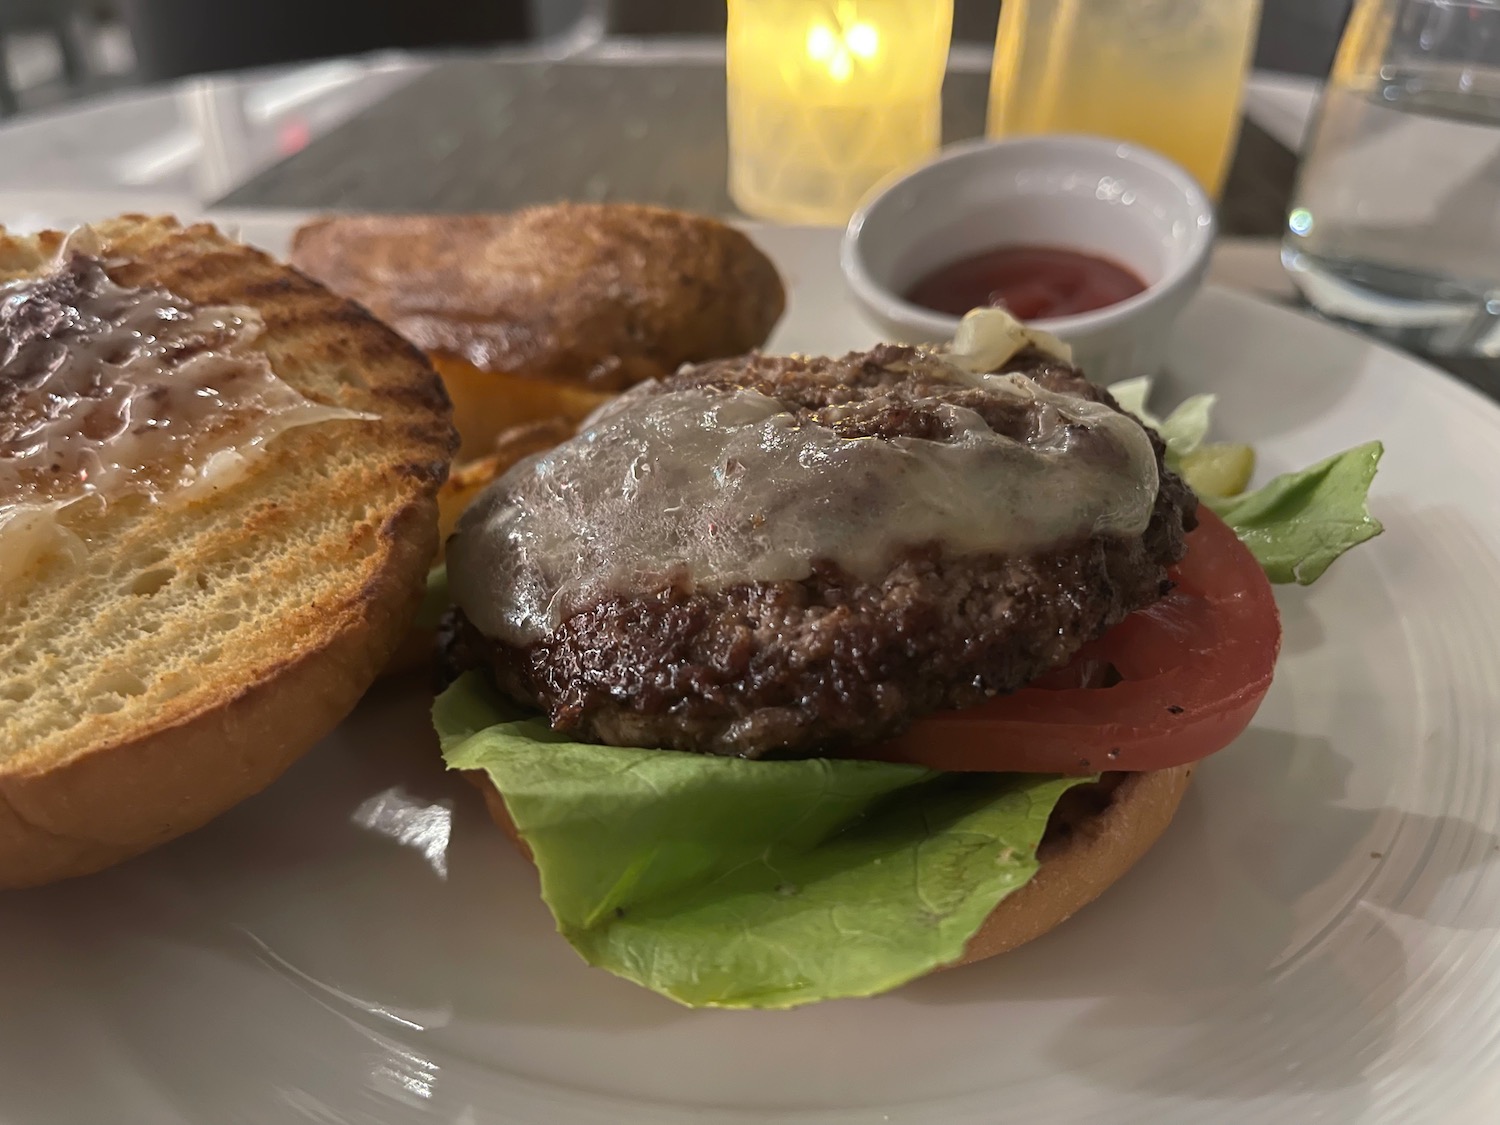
pixel 1192 670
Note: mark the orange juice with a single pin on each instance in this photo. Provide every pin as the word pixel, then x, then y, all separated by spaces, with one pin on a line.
pixel 1166 74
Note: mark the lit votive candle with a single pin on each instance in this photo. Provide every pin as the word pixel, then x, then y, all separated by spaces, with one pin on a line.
pixel 827 97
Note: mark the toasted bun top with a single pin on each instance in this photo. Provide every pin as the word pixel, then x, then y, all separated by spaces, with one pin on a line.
pixel 195 647
pixel 602 295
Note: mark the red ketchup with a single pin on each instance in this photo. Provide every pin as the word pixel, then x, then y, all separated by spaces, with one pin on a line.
pixel 1029 282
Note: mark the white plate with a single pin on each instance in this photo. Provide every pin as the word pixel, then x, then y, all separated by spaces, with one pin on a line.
pixel 1314 940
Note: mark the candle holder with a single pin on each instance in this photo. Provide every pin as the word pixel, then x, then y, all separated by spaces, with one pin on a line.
pixel 828 97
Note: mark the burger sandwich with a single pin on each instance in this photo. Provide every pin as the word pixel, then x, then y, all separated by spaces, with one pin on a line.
pixel 798 678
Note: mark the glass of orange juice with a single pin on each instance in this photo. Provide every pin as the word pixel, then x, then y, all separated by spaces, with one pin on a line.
pixel 1166 74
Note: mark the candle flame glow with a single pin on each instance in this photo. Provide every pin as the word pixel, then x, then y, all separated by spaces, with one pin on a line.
pixel 837 48
pixel 822 43
pixel 863 40
pixel 826 97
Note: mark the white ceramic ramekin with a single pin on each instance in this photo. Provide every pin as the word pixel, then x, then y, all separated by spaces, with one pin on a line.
pixel 1097 196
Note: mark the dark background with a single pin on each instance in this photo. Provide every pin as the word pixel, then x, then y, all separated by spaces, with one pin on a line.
pixel 176 38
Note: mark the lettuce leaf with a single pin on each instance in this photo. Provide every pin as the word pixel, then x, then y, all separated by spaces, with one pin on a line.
pixel 1132 396
pixel 1183 430
pixel 435 599
pixel 724 883
pixel 1297 524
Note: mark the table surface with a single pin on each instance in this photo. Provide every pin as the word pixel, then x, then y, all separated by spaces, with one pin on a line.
pixel 498 133
pixel 636 118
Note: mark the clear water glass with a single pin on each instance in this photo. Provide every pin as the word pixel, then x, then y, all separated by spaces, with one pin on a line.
pixel 1395 220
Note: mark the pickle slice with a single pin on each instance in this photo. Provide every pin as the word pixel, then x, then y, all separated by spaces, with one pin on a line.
pixel 1219 469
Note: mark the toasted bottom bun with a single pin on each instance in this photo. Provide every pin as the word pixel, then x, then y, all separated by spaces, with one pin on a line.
pixel 487 403
pixel 1075 871
pixel 105 807
pixel 1079 869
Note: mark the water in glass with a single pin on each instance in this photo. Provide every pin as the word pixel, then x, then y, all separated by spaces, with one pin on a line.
pixel 1395 223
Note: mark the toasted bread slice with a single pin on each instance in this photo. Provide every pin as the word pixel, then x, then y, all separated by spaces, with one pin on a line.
pixel 198 647
pixel 547 310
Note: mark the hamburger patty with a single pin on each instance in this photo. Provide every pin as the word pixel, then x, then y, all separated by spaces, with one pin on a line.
pixel 795 667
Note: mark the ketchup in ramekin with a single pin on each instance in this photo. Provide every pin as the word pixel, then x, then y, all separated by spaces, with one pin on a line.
pixel 1029 282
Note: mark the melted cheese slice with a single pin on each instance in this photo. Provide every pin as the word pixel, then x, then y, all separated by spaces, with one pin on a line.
pixel 709 488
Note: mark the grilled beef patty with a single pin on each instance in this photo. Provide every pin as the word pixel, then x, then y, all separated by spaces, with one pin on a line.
pixel 793 668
